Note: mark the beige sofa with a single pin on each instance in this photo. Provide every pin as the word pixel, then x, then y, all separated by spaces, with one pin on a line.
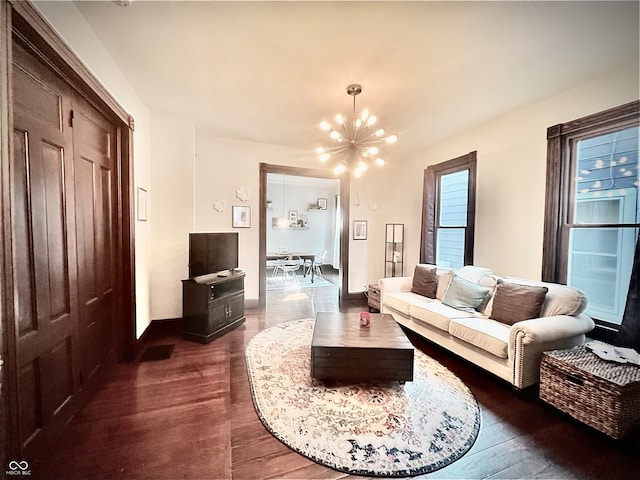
pixel 512 352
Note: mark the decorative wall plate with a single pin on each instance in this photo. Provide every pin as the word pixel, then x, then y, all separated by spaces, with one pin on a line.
pixel 219 205
pixel 243 194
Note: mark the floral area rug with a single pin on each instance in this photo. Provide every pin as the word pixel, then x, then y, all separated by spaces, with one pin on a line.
pixel 386 429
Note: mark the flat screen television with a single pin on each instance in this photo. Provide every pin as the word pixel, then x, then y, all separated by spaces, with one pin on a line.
pixel 212 252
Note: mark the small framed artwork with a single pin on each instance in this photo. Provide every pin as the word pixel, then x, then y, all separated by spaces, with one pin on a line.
pixel 359 229
pixel 241 216
pixel 293 218
pixel 322 204
pixel 142 204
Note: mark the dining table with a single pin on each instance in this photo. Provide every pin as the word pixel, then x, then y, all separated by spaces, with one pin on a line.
pixel 303 256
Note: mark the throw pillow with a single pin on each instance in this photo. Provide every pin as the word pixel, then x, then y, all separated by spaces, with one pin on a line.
pixel 465 295
pixel 514 302
pixel 425 281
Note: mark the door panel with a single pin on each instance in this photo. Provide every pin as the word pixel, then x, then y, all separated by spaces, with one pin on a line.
pixel 56 237
pixel 30 411
pixel 38 99
pixel 24 304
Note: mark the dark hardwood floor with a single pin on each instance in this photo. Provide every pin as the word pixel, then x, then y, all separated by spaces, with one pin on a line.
pixel 192 417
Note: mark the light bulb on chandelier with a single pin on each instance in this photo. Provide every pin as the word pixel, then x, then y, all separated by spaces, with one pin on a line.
pixel 356 144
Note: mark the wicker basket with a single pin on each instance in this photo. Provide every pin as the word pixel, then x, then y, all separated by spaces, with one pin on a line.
pixel 373 295
pixel 604 395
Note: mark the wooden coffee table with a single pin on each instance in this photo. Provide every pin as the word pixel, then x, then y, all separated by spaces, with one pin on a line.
pixel 343 350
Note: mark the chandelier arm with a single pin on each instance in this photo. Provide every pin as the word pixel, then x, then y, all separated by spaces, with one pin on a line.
pixel 336 148
pixel 370 138
pixel 347 134
pixel 359 132
pixel 335 153
pixel 371 141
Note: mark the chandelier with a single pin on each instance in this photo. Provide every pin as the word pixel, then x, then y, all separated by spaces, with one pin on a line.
pixel 357 142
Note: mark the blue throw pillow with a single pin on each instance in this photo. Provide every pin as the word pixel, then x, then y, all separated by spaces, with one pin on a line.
pixel 465 295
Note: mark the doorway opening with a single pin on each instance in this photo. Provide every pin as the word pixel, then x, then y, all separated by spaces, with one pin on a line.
pixel 303 244
pixel 302 241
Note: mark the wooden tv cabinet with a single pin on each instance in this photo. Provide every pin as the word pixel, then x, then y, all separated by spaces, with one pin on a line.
pixel 212 305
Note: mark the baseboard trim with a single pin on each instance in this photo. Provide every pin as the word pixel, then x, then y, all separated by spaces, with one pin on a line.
pixel 159 326
pixel 353 300
pixel 251 303
pixel 174 325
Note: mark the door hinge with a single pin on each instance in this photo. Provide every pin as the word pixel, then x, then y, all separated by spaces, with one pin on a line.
pixel 71 118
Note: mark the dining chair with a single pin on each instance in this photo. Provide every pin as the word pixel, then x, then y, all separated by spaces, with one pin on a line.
pixel 316 264
pixel 290 267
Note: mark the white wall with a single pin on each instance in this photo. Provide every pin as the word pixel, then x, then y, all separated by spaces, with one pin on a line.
pixel 223 165
pixel 318 237
pixel 511 180
pixel 382 196
pixel 172 206
pixel 72 27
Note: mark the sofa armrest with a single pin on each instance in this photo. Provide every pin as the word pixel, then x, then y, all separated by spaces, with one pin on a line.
pixel 550 329
pixel 393 285
pixel 396 284
pixel 530 338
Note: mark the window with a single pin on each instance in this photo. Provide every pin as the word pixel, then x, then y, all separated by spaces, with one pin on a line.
pixel 592 216
pixel 449 212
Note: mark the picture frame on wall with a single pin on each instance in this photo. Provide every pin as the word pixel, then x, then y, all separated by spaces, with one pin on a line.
pixel 241 216
pixel 293 218
pixel 359 229
pixel 322 204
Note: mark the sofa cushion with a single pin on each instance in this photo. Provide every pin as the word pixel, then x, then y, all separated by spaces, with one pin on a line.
pixel 444 279
pixel 402 301
pixel 465 295
pixel 514 302
pixel 560 299
pixel 473 273
pixel 436 314
pixel 563 300
pixel 489 335
pixel 490 281
pixel 425 281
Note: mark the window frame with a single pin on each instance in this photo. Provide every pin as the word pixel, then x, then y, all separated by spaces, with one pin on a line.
pixel 431 203
pixel 560 196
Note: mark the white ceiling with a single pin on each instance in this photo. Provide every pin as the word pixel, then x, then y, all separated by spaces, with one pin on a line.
pixel 271 71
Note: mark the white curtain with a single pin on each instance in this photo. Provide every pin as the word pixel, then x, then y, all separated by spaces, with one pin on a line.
pixel 336 235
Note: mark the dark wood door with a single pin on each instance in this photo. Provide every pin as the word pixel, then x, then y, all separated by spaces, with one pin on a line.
pixel 44 254
pixel 95 187
pixel 62 185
